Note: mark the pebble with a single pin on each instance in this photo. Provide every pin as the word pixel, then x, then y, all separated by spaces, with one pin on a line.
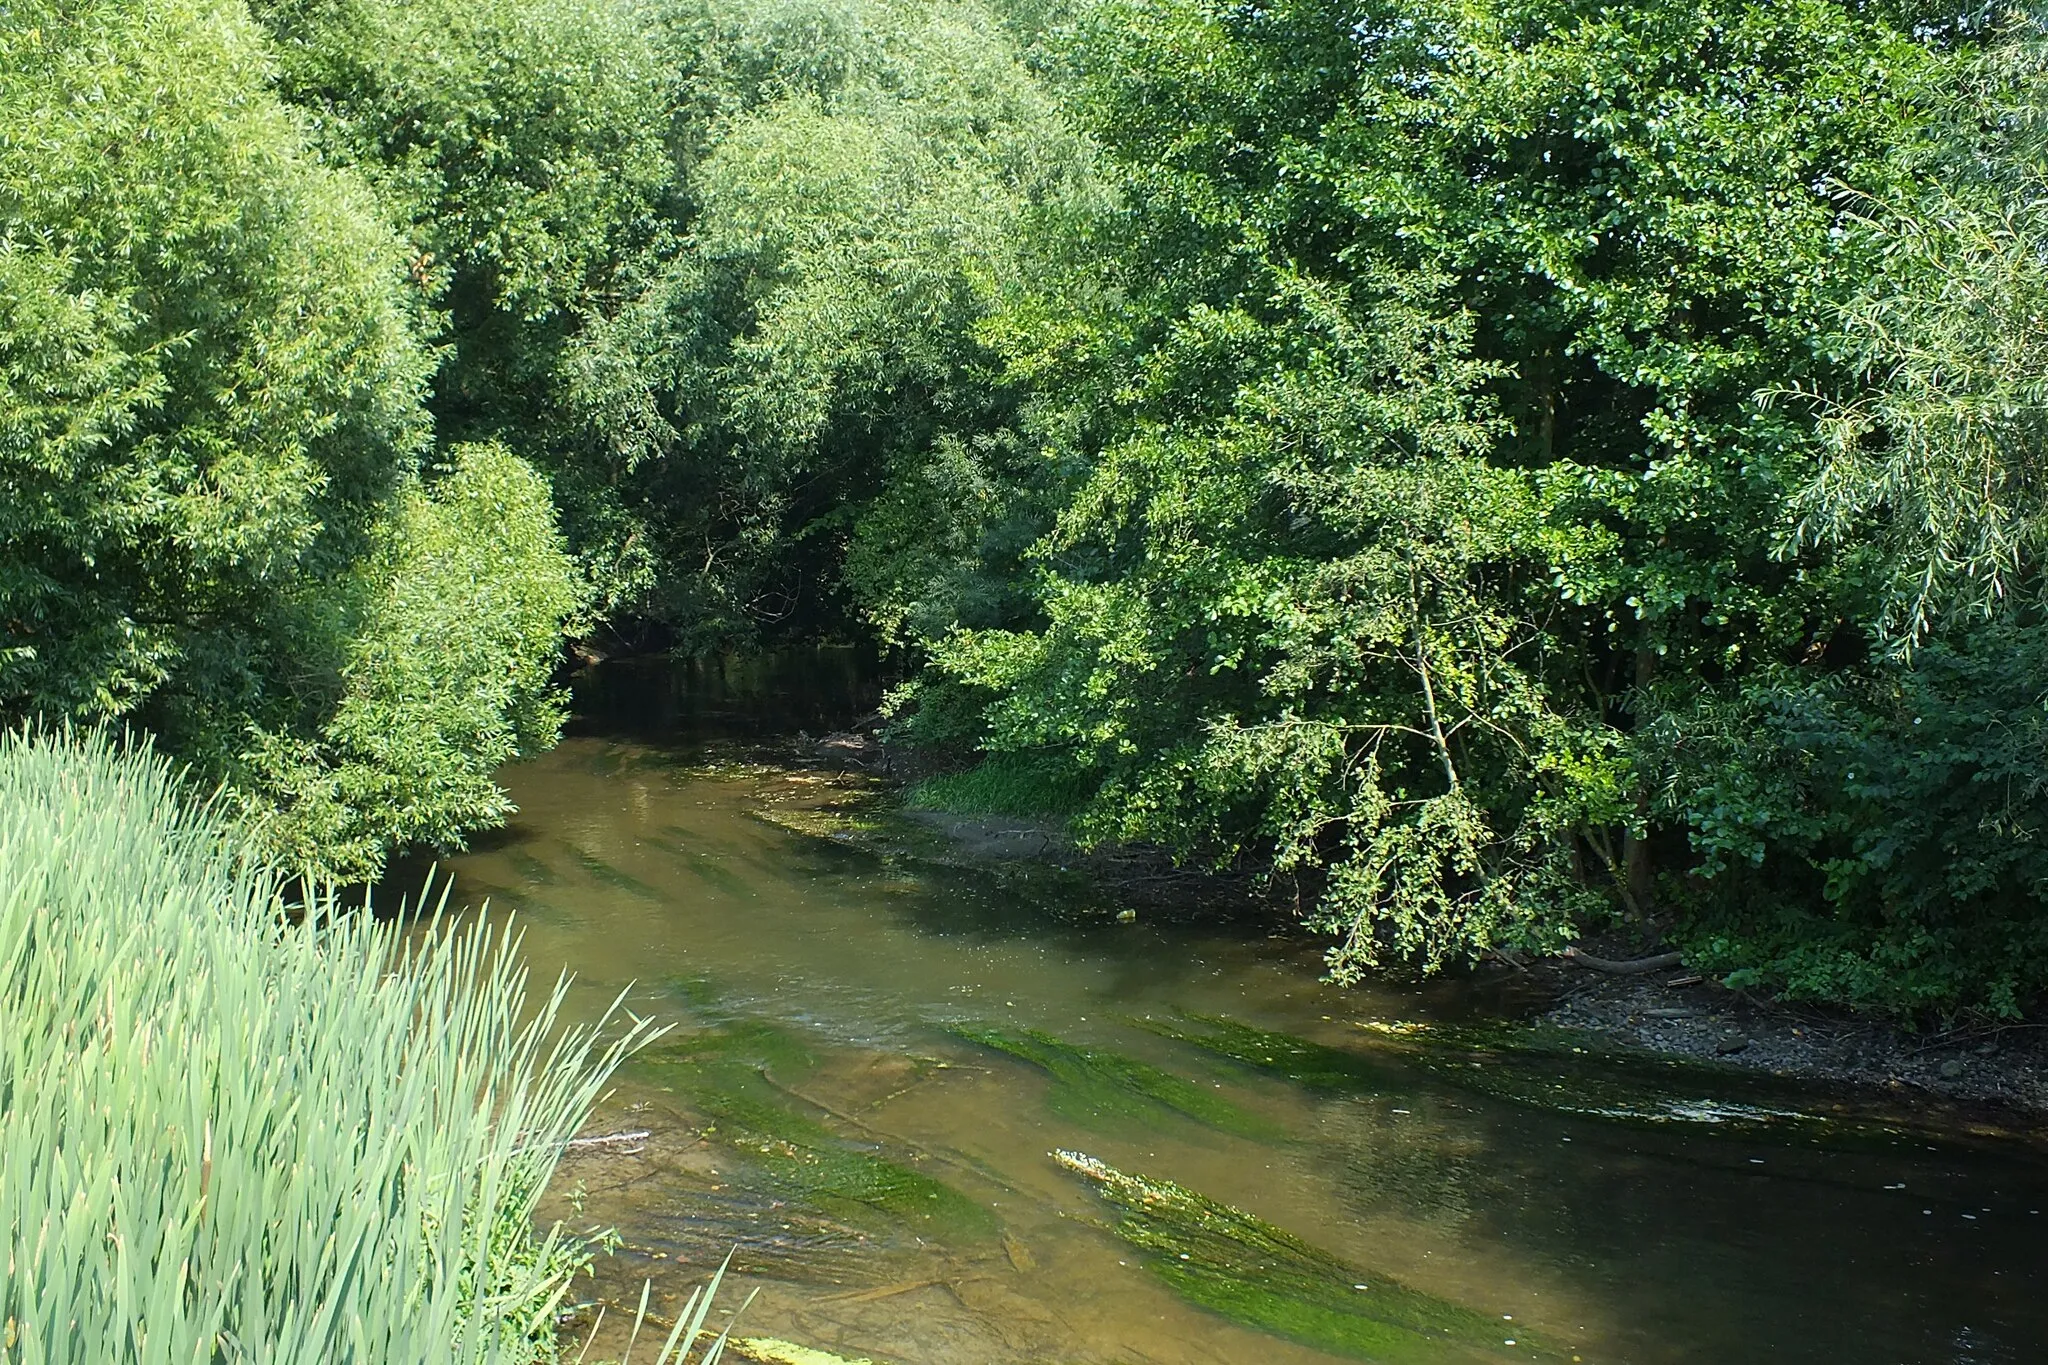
pixel 1951 1069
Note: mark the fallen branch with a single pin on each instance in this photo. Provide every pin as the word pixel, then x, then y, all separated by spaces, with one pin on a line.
pixel 887 1291
pixel 610 1139
pixel 1633 967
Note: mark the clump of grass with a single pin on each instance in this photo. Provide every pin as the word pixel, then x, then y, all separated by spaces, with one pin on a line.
pixel 230 1132
pixel 1095 1086
pixel 688 1328
pixel 1007 784
pixel 1255 1274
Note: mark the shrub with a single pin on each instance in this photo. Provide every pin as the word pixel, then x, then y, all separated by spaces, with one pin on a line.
pixel 455 617
pixel 223 516
pixel 228 1133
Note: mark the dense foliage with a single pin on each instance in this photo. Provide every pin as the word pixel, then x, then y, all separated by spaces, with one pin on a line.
pixel 1495 426
pixel 223 515
pixel 854 184
pixel 1510 467
pixel 226 1139
pixel 1520 446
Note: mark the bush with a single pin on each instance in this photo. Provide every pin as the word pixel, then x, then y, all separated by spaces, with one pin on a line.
pixel 212 384
pixel 453 629
pixel 220 516
pixel 1875 837
pixel 226 1135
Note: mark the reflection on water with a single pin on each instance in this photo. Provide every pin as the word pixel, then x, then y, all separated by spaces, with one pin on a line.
pixel 875 1058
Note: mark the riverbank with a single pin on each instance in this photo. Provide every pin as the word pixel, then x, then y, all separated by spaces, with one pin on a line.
pixel 1677 1011
pixel 1669 1010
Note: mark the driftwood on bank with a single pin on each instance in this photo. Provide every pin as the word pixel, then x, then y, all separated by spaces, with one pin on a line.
pixel 1633 967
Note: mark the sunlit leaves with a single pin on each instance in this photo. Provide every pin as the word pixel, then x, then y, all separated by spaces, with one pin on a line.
pixel 213 431
pixel 1940 461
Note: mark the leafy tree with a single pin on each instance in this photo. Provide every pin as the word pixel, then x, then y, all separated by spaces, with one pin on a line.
pixel 857 178
pixel 212 378
pixel 211 436
pixel 1939 461
pixel 1426 460
pixel 1503 464
pixel 454 621
pixel 1872 835
pixel 1869 832
pixel 519 145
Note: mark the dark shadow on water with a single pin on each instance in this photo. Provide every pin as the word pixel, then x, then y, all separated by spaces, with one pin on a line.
pixel 666 699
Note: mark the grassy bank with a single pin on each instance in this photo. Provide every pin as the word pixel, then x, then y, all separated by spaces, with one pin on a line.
pixel 230 1132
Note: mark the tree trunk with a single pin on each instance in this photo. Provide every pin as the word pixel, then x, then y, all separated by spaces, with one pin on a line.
pixel 1638 872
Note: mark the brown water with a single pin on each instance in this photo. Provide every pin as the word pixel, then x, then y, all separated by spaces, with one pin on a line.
pixel 833 984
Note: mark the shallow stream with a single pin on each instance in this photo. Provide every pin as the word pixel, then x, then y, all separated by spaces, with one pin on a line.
pixel 878 1049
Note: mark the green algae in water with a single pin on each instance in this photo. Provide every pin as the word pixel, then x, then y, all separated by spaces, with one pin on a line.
pixel 612 876
pixel 744 1043
pixel 698 991
pixel 810 1163
pixel 1095 1086
pixel 1550 1069
pixel 731 1037
pixel 530 867
pixel 713 872
pixel 830 824
pixel 1326 1070
pixel 1225 1260
pixel 725 1074
pixel 1563 1072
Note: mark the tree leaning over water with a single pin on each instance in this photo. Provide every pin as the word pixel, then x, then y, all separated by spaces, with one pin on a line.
pixel 1444 526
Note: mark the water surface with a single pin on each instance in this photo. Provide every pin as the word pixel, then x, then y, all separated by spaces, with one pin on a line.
pixel 875 1056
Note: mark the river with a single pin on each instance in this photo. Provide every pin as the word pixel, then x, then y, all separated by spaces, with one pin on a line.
pixel 875 1055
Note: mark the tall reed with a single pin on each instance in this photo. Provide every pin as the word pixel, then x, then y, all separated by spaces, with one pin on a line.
pixel 229 1133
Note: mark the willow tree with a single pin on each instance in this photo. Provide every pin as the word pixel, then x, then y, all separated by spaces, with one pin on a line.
pixel 857 176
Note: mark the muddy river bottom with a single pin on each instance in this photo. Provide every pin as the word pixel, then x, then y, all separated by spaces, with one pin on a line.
pixel 953 1115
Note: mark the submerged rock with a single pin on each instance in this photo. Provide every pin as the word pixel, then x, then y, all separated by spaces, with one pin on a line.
pixel 771 1351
